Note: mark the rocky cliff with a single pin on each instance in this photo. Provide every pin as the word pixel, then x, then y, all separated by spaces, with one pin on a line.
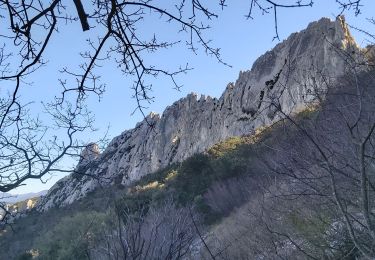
pixel 195 123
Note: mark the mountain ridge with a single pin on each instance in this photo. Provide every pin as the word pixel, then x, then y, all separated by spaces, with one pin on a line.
pixel 13 198
pixel 191 124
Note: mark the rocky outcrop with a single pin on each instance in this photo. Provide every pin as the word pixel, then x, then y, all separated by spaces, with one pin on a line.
pixel 89 154
pixel 195 123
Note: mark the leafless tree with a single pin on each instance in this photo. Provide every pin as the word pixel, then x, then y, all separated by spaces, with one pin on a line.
pixel 5 216
pixel 327 162
pixel 317 200
pixel 28 148
pixel 158 232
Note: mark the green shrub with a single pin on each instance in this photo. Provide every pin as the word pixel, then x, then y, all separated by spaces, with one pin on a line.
pixel 226 146
pixel 72 236
pixel 25 256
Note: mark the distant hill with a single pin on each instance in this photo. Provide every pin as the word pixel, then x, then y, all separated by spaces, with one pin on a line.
pixel 10 198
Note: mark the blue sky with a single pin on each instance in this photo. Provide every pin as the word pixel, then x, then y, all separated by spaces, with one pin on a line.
pixel 241 42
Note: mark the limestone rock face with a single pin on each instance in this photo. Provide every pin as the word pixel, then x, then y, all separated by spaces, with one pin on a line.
pixel 89 154
pixel 193 124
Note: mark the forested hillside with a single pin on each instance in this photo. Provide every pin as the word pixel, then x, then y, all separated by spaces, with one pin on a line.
pixel 295 189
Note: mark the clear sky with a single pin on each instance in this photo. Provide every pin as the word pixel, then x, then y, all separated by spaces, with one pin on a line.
pixel 241 42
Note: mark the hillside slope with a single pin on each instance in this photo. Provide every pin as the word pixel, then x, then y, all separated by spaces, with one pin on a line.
pixel 261 196
pixel 194 124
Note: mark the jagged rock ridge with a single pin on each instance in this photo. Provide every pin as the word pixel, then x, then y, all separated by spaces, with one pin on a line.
pixel 194 124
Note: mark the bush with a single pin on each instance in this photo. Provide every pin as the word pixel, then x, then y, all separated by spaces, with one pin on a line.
pixel 72 237
pixel 25 256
